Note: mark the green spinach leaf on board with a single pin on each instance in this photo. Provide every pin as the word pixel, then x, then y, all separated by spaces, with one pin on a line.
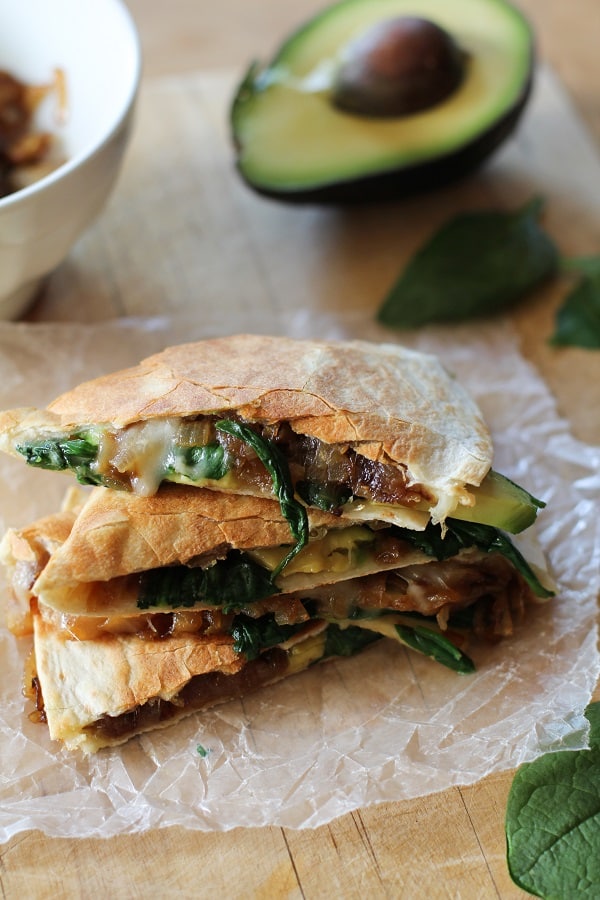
pixel 577 322
pixel 553 822
pixel 478 264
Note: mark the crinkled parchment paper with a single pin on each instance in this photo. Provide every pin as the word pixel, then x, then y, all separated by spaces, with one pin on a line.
pixel 386 725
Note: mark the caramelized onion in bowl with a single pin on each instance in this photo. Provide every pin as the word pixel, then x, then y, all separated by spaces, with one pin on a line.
pixel 97 49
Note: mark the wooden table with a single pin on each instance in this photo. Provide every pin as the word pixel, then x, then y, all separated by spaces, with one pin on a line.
pixel 446 845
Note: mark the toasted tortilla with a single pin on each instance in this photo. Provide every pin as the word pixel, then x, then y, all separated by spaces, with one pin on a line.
pixel 118 534
pixel 99 690
pixel 389 403
pixel 25 552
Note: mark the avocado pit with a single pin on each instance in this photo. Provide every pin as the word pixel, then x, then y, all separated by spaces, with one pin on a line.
pixel 398 67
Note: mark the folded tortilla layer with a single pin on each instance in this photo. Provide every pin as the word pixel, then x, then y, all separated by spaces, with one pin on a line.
pixel 118 533
pixel 25 552
pixel 102 689
pixel 390 404
pixel 85 681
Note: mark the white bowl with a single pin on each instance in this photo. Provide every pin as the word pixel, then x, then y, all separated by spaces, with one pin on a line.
pixel 96 45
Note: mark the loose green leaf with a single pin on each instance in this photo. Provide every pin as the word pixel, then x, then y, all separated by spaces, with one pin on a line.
pixel 577 322
pixel 277 467
pixel 230 583
pixel 435 645
pixel 586 265
pixel 553 822
pixel 476 265
pixel 592 714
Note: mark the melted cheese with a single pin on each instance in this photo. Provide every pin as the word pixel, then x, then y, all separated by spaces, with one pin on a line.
pixel 145 452
pixel 142 451
pixel 335 552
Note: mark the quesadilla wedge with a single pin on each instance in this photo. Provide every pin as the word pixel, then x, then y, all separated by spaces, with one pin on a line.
pixel 154 607
pixel 367 431
pixel 100 693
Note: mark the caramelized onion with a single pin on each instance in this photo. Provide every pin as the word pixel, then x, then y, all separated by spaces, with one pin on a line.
pixel 201 691
pixel 487 582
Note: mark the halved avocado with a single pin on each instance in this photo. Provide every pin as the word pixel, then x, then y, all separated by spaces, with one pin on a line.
pixel 297 139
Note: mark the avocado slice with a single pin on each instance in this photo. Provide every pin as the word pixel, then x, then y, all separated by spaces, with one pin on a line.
pixel 501 503
pixel 295 142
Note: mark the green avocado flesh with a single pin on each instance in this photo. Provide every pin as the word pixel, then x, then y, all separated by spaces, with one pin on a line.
pixel 291 140
pixel 498 501
pixel 501 503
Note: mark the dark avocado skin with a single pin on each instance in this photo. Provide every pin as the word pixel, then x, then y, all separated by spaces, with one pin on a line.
pixel 406 182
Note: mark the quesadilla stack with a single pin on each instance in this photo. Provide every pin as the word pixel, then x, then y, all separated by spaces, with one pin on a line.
pixel 259 505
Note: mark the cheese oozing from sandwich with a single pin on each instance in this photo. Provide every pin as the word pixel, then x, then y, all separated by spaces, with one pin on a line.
pixel 363 428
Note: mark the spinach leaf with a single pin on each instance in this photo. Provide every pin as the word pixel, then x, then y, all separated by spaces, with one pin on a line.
pixel 460 535
pixel 196 463
pixel 477 264
pixel 251 636
pixel 431 541
pixel 77 452
pixel 277 467
pixel 421 637
pixel 347 641
pixel 553 822
pixel 60 453
pixel 437 646
pixel 230 583
pixel 330 496
pixel 492 540
pixel 577 321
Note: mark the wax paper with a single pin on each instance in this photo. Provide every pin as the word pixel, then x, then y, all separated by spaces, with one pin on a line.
pixel 386 725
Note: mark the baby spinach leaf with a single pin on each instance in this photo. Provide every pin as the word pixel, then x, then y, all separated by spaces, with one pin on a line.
pixel 492 540
pixel 553 822
pixel 329 496
pixel 435 645
pixel 477 264
pixel 252 636
pixel 230 584
pixel 277 467
pixel 586 265
pixel 577 322
pixel 460 535
pixel 77 452
pixel 347 641
pixel 199 462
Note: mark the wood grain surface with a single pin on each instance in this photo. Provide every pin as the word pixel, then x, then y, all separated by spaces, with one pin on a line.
pixel 446 845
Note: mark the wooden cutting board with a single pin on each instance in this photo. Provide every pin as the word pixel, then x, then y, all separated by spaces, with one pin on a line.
pixel 183 237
